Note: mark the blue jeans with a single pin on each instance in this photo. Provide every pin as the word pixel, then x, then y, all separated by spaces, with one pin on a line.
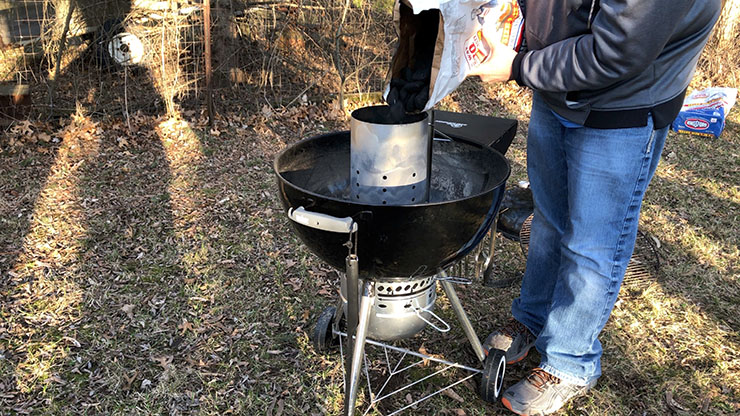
pixel 588 186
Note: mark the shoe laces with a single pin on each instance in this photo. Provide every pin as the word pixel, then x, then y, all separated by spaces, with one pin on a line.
pixel 539 378
pixel 514 328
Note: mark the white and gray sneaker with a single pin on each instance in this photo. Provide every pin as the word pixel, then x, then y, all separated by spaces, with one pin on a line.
pixel 513 338
pixel 541 393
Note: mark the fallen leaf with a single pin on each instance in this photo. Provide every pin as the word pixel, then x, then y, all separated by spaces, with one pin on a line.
pixel 673 404
pixel 266 111
pixel 280 406
pixel 185 326
pixel 295 283
pixel 470 385
pixel 453 395
pixel 705 404
pixel 55 378
pixel 73 341
pixel 163 361
pixel 130 380
pixel 128 310
pixel 23 128
pixel 423 350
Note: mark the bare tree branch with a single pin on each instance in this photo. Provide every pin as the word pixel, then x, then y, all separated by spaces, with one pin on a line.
pixel 337 59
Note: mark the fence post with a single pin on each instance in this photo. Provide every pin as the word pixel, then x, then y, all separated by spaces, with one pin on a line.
pixel 209 86
pixel 60 52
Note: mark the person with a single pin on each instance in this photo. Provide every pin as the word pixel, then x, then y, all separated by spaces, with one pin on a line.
pixel 608 78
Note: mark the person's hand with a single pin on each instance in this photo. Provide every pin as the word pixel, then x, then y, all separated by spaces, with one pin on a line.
pixel 498 65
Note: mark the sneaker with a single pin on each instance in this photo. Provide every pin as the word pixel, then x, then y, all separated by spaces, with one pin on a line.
pixel 541 393
pixel 514 339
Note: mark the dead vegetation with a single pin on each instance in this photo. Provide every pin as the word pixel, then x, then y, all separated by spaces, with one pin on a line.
pixel 146 266
pixel 719 66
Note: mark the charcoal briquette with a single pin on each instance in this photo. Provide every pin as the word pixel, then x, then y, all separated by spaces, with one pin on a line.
pixel 403 95
pixel 414 86
pixel 407 74
pixel 421 74
pixel 392 96
pixel 420 100
pixel 397 112
pixel 409 106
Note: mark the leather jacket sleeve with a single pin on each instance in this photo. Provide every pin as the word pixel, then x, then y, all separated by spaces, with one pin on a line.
pixel 623 38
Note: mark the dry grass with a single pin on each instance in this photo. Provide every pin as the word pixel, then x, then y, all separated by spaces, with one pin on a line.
pixel 146 267
pixel 153 272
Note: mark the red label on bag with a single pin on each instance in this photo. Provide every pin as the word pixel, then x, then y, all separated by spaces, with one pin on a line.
pixel 504 25
pixel 507 19
pixel 697 123
pixel 477 49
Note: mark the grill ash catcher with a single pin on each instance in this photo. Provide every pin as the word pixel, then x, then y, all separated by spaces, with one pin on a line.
pixel 394 205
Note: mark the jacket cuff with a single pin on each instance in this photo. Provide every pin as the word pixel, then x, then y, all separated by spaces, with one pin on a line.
pixel 516 69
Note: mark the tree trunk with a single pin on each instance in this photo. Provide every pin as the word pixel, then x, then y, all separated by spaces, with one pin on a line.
pixel 729 22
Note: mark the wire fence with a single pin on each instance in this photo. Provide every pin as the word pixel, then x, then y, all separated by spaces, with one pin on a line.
pixel 287 50
pixel 108 56
pixel 115 57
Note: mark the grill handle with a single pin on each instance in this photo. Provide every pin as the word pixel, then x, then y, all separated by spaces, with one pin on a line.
pixel 321 221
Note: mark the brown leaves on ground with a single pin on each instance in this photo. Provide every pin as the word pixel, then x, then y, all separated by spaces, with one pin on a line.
pixel 139 271
pixel 146 263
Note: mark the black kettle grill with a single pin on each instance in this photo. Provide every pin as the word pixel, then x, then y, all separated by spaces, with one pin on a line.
pixel 395 253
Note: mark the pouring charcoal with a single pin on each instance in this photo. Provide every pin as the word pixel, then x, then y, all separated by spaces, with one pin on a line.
pixel 409 89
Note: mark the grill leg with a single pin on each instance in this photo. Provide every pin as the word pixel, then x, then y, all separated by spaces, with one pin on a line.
pixel 488 265
pixel 358 348
pixel 463 318
pixel 353 300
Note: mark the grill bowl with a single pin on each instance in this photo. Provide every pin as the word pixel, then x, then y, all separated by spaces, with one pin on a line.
pixel 394 241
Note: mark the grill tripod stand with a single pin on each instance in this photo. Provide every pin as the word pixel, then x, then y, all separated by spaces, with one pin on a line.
pixel 359 306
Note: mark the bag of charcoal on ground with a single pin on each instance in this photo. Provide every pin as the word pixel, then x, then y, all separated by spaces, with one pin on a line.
pixel 440 42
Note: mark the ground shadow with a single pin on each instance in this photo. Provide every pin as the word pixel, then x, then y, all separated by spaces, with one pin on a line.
pixel 692 195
